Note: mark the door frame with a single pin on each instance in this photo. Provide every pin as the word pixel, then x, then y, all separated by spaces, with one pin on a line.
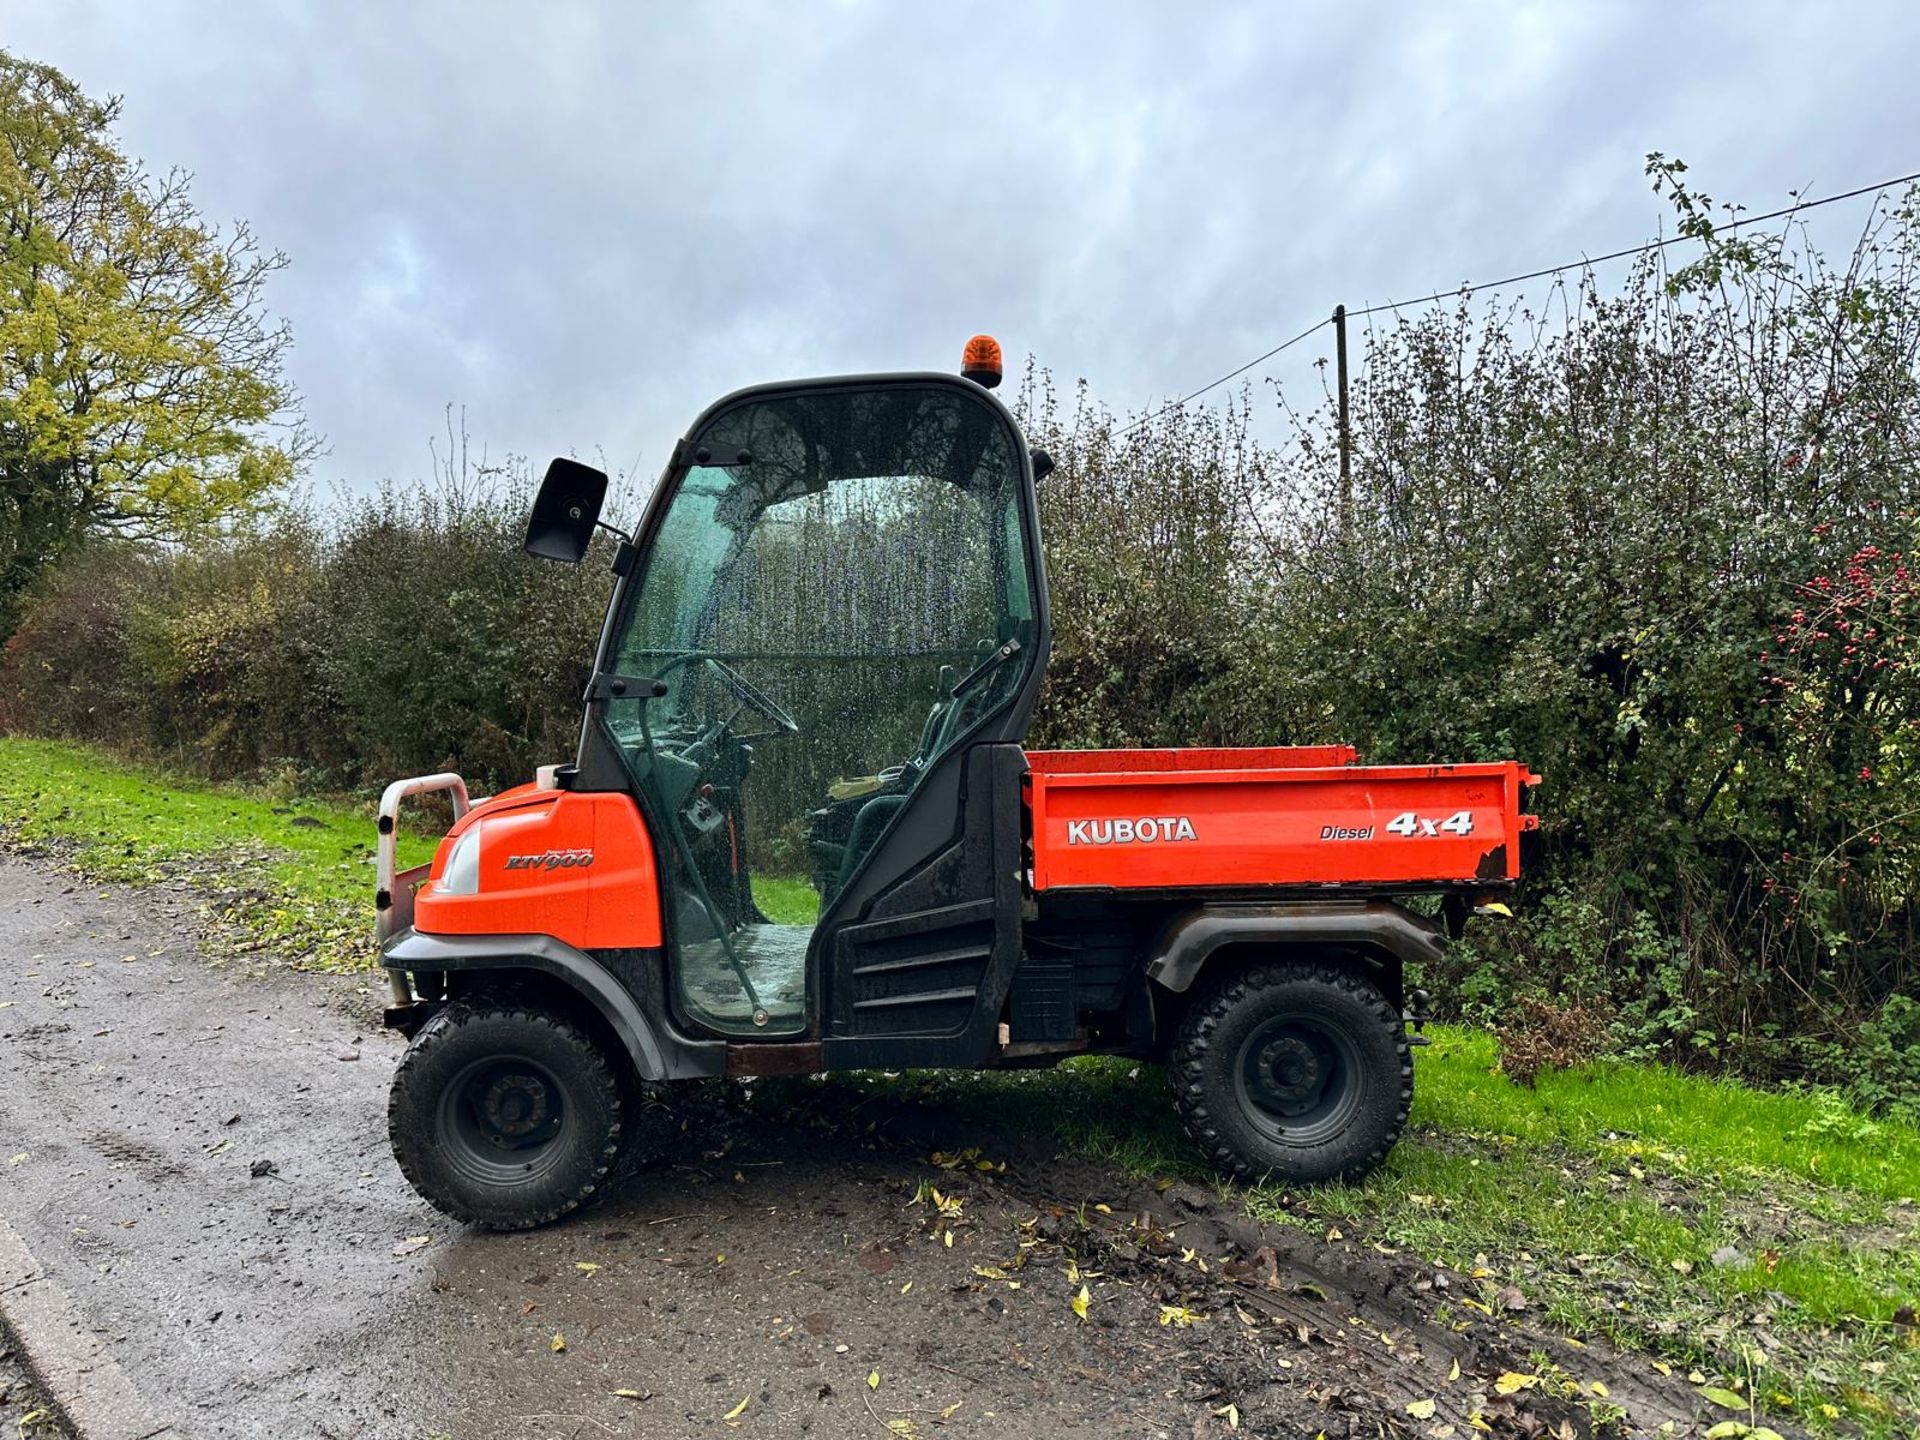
pixel 915 836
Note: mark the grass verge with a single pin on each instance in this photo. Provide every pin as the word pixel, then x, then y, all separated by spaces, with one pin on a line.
pixel 1767 1243
pixel 292 877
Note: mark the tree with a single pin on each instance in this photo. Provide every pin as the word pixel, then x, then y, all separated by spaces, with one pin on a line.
pixel 142 388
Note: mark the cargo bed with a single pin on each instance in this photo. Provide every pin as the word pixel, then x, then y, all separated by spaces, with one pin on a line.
pixel 1300 816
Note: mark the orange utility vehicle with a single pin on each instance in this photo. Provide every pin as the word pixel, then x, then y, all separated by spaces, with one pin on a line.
pixel 801 834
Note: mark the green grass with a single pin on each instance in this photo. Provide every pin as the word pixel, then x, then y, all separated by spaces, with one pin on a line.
pixel 302 871
pixel 1603 1194
pixel 786 899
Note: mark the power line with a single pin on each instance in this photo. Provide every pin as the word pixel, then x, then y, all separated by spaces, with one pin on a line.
pixel 1231 374
pixel 1646 249
pixel 1582 263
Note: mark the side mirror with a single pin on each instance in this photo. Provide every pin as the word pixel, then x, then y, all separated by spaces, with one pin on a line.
pixel 1042 466
pixel 565 511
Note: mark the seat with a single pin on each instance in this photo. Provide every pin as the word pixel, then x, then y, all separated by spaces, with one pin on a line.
pixel 873 818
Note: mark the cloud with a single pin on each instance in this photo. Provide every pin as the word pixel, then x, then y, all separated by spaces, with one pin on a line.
pixel 583 222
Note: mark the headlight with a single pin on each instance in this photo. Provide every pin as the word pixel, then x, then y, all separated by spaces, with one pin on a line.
pixel 462 875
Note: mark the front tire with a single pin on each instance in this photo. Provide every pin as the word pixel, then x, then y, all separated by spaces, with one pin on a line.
pixel 504 1116
pixel 1293 1072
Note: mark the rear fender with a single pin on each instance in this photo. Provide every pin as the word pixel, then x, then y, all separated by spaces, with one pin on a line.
pixel 656 1053
pixel 1382 936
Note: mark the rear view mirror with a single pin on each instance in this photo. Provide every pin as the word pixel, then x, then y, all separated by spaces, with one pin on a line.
pixel 565 511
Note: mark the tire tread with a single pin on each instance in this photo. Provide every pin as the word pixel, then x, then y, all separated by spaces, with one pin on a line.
pixel 1193 1048
pixel 440 1031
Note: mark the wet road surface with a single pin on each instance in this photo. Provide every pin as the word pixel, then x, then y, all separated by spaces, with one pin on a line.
pixel 197 1153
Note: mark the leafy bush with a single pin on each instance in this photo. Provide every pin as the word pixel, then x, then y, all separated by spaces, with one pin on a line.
pixel 67 666
pixel 395 635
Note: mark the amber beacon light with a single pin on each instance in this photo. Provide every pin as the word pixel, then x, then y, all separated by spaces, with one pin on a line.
pixel 980 361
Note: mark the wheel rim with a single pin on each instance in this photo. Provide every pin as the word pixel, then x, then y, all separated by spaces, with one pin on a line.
pixel 1299 1079
pixel 504 1120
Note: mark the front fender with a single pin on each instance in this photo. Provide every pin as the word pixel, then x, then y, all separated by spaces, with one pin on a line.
pixel 1387 932
pixel 656 1055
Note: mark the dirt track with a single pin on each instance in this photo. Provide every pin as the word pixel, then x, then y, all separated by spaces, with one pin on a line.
pixel 780 1259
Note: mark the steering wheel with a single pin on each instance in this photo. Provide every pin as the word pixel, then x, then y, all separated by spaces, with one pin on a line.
pixel 741 688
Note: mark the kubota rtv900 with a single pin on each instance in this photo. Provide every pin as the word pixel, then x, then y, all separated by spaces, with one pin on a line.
pixel 801 834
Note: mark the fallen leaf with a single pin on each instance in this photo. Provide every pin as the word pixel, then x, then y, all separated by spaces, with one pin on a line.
pixel 737 1411
pixel 1513 1381
pixel 1685 1267
pixel 412 1243
pixel 1177 1315
pixel 625 1394
pixel 1081 1301
pixel 1453 1372
pixel 906 1287
pixel 558 1344
pixel 952 1410
pixel 1231 1414
pixel 873 1379
pixel 1421 1409
pixel 1595 1387
pixel 1725 1399
pixel 586 1267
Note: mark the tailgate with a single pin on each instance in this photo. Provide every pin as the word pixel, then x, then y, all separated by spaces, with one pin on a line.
pixel 1418 826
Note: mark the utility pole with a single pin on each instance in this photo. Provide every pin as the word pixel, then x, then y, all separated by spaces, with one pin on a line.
pixel 1346 433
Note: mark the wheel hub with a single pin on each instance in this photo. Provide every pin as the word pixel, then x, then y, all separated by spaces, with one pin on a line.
pixel 515 1106
pixel 1292 1069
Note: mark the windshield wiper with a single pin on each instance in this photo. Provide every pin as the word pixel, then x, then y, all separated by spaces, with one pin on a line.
pixel 985 668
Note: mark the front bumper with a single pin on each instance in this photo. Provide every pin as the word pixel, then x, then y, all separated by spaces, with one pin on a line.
pixel 393 892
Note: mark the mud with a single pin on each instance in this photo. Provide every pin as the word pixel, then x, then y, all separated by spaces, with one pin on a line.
pixel 787 1269
pixel 24 1411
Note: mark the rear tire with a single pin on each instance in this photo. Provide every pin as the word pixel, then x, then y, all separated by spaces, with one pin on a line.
pixel 1293 1072
pixel 504 1115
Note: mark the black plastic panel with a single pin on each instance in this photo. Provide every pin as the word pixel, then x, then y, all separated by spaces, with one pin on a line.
pixel 920 976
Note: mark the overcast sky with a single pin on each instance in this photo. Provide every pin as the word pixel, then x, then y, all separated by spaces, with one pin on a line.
pixel 583 221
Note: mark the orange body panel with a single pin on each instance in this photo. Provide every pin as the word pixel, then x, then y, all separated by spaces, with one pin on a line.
pixel 578 867
pixel 1211 818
